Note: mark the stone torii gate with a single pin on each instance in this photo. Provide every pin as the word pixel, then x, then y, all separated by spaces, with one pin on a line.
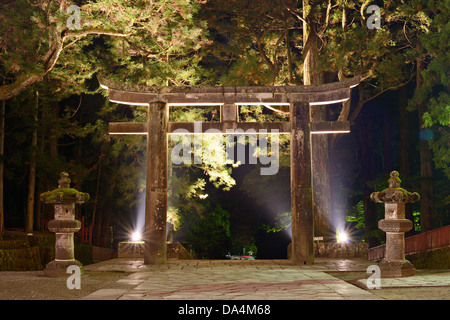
pixel 300 100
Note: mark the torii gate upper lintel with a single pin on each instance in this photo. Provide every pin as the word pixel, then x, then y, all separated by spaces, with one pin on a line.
pixel 300 100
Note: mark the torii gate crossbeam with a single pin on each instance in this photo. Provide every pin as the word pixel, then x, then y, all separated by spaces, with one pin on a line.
pixel 300 100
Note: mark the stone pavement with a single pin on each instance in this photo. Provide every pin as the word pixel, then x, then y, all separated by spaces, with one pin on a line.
pixel 434 279
pixel 246 280
pixel 219 281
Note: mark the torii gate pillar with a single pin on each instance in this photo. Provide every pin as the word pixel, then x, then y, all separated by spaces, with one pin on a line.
pixel 302 246
pixel 156 185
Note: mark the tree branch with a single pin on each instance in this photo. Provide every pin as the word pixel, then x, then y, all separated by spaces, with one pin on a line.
pixel 363 7
pixel 299 17
pixel 264 56
pixel 20 84
pixel 362 102
pixel 275 109
pixel 274 53
pixel 96 31
pixel 49 60
pixel 327 20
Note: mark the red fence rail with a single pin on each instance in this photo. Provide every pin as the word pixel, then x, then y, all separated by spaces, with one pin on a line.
pixel 431 240
pixel 84 232
pixel 44 223
pixel 376 253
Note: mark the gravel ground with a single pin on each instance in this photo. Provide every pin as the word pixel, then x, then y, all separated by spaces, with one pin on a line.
pixel 34 285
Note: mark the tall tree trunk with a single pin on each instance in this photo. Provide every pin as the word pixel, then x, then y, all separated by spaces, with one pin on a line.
pixel 288 55
pixel 320 165
pixel 311 75
pixel 94 211
pixel 53 145
pixel 426 166
pixel 2 155
pixel 32 177
pixel 404 145
pixel 367 174
pixel 40 183
pixel 387 156
pixel 403 124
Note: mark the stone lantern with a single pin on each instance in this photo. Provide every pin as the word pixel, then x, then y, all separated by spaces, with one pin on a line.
pixel 64 225
pixel 395 225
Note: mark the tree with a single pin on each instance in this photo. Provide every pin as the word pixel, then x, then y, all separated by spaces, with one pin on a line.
pixel 152 29
pixel 161 47
pixel 2 154
pixel 207 228
pixel 385 59
pixel 252 42
pixel 431 97
pixel 316 16
pixel 312 42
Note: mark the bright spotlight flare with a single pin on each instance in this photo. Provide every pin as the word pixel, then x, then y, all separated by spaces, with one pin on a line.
pixel 342 237
pixel 136 236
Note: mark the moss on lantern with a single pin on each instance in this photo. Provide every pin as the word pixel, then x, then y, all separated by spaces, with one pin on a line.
pixel 64 195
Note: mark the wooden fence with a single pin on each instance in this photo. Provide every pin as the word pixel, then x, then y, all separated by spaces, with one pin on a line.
pixel 431 240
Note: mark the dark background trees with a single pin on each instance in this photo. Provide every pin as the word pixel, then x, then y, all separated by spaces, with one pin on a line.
pixel 56 115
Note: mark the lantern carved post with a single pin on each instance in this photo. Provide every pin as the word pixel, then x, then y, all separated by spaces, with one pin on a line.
pixel 395 225
pixel 64 225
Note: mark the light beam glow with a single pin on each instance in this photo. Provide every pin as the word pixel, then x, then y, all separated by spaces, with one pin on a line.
pixel 342 237
pixel 136 236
